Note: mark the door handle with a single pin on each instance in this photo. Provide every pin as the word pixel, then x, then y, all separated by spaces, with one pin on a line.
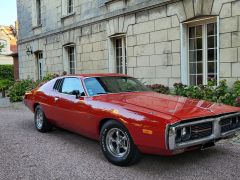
pixel 56 99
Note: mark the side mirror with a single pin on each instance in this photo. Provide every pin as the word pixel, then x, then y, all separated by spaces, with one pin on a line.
pixel 76 93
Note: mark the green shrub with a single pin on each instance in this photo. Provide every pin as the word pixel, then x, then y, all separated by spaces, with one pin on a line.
pixel 220 94
pixel 159 88
pixel 6 72
pixel 4 85
pixel 19 88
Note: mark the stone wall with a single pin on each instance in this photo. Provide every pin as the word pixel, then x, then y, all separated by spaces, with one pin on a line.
pixel 153 40
pixel 154 47
pixel 230 41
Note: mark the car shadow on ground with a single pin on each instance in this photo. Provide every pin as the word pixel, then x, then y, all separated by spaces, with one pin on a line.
pixel 75 143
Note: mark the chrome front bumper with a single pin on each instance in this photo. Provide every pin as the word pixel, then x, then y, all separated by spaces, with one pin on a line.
pixel 216 132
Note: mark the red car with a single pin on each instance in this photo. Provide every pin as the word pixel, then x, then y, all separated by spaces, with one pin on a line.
pixel 128 118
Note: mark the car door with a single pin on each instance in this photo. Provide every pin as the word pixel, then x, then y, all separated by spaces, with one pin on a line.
pixel 71 111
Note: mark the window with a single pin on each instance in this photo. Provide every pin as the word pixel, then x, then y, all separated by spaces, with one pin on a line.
pixel 3 46
pixel 202 53
pixel 104 85
pixel 58 84
pixel 38 8
pixel 40 65
pixel 120 50
pixel 36 13
pixel 70 60
pixel 69 6
pixel 71 84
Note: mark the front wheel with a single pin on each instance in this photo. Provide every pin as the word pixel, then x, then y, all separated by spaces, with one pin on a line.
pixel 40 120
pixel 117 144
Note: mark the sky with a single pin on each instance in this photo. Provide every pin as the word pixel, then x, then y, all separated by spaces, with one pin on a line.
pixel 8 12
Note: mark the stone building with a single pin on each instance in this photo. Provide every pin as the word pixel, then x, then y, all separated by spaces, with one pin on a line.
pixel 159 41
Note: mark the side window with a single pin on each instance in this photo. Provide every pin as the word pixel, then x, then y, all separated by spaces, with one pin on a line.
pixel 58 84
pixel 71 84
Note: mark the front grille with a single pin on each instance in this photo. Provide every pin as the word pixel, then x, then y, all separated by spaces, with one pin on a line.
pixel 229 124
pixel 195 131
pixel 202 130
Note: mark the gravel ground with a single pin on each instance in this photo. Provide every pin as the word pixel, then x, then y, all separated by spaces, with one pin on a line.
pixel 27 154
pixel 4 102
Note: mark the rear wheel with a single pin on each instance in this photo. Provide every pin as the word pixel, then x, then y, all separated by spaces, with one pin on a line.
pixel 40 120
pixel 117 144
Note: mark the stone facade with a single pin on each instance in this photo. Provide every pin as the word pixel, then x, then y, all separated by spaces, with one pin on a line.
pixel 154 31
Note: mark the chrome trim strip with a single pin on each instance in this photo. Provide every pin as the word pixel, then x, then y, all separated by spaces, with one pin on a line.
pixel 172 145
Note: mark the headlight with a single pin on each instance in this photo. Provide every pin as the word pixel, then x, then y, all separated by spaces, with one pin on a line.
pixel 183 134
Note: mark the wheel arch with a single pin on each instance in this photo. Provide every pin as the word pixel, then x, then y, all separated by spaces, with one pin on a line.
pixel 35 105
pixel 103 121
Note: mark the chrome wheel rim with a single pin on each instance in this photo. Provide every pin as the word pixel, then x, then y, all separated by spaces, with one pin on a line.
pixel 117 142
pixel 39 119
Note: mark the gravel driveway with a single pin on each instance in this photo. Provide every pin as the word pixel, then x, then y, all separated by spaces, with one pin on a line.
pixel 27 154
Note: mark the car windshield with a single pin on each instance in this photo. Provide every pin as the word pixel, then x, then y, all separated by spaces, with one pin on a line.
pixel 113 84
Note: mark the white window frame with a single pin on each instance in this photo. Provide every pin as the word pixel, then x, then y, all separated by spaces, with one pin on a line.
pixel 113 53
pixel 65 6
pixel 185 78
pixel 66 58
pixel 36 13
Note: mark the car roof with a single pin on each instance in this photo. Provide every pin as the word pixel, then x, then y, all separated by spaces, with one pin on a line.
pixel 96 75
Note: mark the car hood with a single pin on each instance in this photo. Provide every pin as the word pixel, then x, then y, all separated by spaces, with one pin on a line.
pixel 181 107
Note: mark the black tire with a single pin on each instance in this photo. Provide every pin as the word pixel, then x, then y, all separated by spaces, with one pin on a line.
pixel 129 156
pixel 44 126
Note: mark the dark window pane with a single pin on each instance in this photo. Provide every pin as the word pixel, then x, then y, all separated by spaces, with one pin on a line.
pixel 120 52
pixel 211 42
pixel 192 56
pixel 118 43
pixel 73 65
pixel 210 29
pixel 199 31
pixel 212 54
pixel 199 56
pixel 199 68
pixel 211 67
pixel 192 45
pixel 191 32
pixel 192 80
pixel 192 68
pixel 215 28
pixel 199 43
pixel 199 79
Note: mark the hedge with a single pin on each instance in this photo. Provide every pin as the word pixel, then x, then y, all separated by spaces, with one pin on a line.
pixel 6 72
